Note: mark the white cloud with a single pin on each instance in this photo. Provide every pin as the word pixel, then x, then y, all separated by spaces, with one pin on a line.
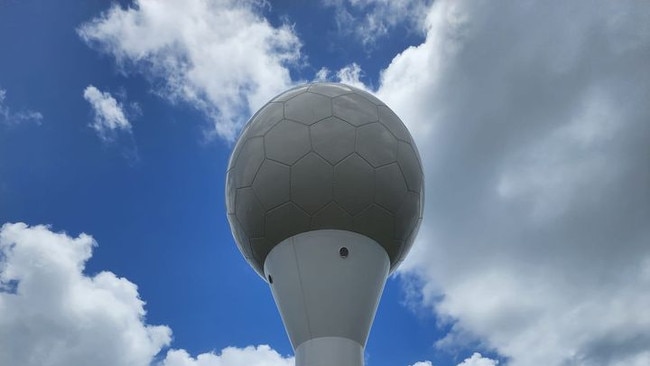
pixel 9 117
pixel 231 356
pixel 532 120
pixel 478 360
pixel 351 75
pixel 423 363
pixel 221 57
pixel 109 116
pixel 371 20
pixel 475 360
pixel 53 314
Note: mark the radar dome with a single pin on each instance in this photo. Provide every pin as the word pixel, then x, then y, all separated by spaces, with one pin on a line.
pixel 324 156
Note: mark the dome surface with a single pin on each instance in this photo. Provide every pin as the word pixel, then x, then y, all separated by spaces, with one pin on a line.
pixel 324 156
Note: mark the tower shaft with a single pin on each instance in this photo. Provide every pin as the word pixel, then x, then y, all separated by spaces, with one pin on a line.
pixel 326 285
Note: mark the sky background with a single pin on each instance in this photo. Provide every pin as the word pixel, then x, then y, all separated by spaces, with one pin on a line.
pixel 116 125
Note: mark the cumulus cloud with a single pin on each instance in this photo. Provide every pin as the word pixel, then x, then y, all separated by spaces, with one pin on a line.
pixel 475 360
pixel 478 360
pixel 423 363
pixel 9 117
pixel 109 116
pixel 221 57
pixel 231 356
pixel 51 313
pixel 532 120
pixel 349 74
pixel 370 20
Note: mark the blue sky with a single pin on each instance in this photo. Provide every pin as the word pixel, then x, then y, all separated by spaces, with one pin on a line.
pixel 117 120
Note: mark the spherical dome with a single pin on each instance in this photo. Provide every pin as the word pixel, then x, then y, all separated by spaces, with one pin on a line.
pixel 324 156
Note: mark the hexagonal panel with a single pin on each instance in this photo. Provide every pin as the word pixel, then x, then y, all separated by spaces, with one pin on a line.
pixel 410 165
pixel 285 221
pixel 291 93
pixel 376 144
pixel 408 242
pixel 307 108
pixel 271 184
pixel 354 109
pixel 240 236
pixel 332 216
pixel 390 187
pixel 249 212
pixel 248 162
pixel 399 259
pixel 230 198
pixel 260 248
pixel 407 216
pixel 354 184
pixel 311 183
pixel 287 142
pixel 421 203
pixel 264 120
pixel 389 119
pixel 330 89
pixel 371 98
pixel 378 224
pixel 333 139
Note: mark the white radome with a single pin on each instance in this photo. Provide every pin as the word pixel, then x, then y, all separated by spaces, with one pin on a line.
pixel 324 156
pixel 324 195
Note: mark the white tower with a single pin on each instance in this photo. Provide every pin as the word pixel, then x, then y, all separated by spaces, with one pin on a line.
pixel 325 195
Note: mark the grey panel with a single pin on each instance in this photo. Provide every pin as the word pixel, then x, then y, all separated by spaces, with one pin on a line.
pixel 373 99
pixel 407 217
pixel 260 248
pixel 271 184
pixel 285 221
pixel 266 118
pixel 290 93
pixel 330 89
pixel 408 242
pixel 230 198
pixel 399 244
pixel 240 237
pixel 236 150
pixel 308 108
pixel 333 139
pixel 376 144
pixel 354 185
pixel 311 183
pixel 332 216
pixel 354 109
pixel 248 162
pixel 390 187
pixel 389 119
pixel 410 166
pixel 249 212
pixel 379 225
pixel 287 142
pixel 421 213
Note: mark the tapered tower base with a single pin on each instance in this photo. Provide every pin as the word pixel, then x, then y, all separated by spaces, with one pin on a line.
pixel 327 285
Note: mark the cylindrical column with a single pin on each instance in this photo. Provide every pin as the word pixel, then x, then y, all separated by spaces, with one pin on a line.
pixel 329 351
pixel 326 285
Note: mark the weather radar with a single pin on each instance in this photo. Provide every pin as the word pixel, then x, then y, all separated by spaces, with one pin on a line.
pixel 324 193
